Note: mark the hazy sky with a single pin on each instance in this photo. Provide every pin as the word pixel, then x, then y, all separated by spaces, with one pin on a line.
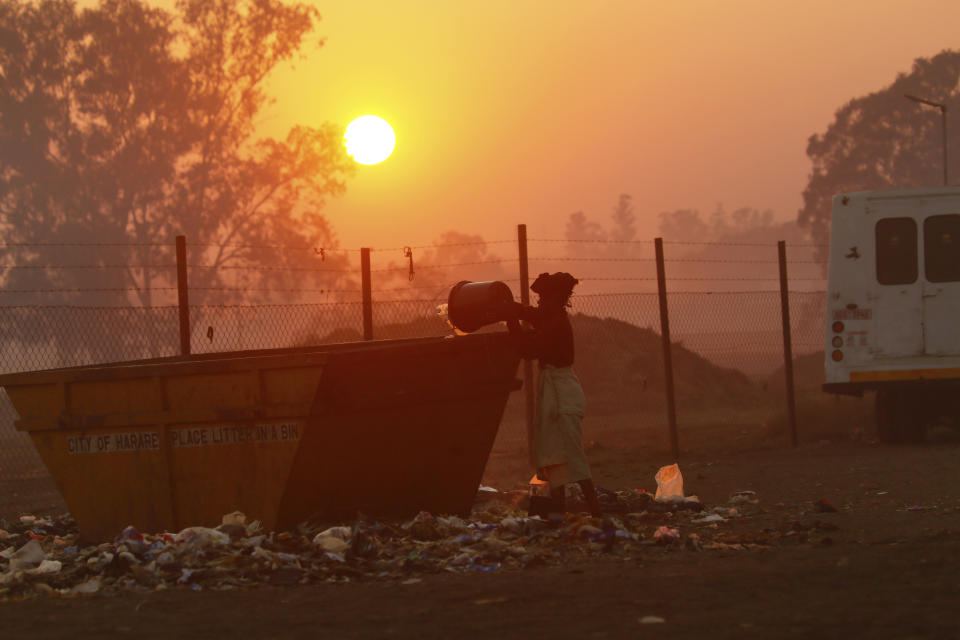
pixel 511 111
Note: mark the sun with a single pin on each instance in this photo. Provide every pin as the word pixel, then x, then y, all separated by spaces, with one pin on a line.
pixel 369 139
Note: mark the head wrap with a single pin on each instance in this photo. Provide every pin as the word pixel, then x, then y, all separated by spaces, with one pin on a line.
pixel 559 284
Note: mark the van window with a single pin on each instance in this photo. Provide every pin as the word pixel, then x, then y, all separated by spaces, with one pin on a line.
pixel 896 251
pixel 941 248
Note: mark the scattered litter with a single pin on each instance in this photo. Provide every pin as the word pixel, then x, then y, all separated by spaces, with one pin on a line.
pixel 341 533
pixel 666 535
pixel 27 557
pixel 45 567
pixel 822 506
pixel 332 543
pixel 708 518
pixel 744 497
pixel 86 588
pixel 42 556
pixel 202 537
pixel 693 542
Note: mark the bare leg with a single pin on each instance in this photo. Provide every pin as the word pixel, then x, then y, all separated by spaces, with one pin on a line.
pixel 590 493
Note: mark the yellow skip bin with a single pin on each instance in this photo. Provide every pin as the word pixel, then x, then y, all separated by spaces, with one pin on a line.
pixel 282 435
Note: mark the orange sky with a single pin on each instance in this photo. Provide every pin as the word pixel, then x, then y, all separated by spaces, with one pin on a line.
pixel 512 111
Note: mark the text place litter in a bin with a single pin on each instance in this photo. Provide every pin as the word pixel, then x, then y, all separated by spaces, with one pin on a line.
pixel 235 434
pixel 110 442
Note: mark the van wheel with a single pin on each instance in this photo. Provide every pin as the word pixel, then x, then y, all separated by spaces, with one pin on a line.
pixel 898 417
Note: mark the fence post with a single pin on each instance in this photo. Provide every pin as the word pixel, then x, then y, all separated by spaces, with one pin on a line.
pixel 667 356
pixel 182 297
pixel 367 295
pixel 787 342
pixel 528 381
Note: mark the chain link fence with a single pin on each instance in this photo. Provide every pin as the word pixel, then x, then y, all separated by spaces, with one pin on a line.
pixel 727 345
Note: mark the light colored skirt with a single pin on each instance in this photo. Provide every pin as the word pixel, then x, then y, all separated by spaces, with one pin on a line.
pixel 558 436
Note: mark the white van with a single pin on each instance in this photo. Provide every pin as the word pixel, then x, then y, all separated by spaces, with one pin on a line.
pixel 893 305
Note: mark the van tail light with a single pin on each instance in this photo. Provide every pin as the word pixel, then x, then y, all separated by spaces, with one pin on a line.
pixel 837 355
pixel 838 327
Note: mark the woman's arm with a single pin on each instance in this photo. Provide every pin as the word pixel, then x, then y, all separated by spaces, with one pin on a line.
pixel 524 340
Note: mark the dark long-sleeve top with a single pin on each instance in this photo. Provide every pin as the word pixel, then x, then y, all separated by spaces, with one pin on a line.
pixel 551 340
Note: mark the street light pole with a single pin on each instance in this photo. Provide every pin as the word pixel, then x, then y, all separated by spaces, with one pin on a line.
pixel 943 113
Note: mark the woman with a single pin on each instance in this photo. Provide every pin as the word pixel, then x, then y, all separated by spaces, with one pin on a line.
pixel 557 448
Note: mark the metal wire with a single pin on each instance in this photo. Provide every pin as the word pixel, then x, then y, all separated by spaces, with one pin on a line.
pixel 85 244
pixel 439 246
pixel 259 268
pixel 598 241
pixel 447 265
pixel 90 266
pixel 88 290
pixel 676 242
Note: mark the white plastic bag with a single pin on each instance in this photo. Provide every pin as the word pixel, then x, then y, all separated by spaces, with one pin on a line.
pixel 334 539
pixel 669 484
pixel 202 537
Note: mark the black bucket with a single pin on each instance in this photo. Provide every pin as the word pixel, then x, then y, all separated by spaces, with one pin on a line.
pixel 472 305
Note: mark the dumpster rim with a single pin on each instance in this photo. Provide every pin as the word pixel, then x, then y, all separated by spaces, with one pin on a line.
pixel 284 357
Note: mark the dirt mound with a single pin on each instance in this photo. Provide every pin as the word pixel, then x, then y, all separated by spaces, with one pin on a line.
pixel 621 367
pixel 619 364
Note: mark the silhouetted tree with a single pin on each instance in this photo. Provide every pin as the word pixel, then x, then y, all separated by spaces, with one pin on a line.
pixel 580 229
pixel 882 141
pixel 624 222
pixel 686 225
pixel 588 238
pixel 128 125
pixel 734 248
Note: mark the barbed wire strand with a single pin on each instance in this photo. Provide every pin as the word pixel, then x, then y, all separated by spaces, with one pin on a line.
pixel 19 245
pixel 817 292
pixel 297 269
pixel 442 246
pixel 443 266
pixel 346 250
pixel 689 260
pixel 680 242
pixel 317 249
pixel 718 279
pixel 744 244
pixel 404 268
pixel 157 289
pixel 89 266
pixel 174 307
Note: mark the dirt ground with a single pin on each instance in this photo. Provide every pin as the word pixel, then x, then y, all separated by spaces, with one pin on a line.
pixel 883 564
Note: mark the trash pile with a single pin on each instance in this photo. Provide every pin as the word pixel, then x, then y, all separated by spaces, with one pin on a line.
pixel 41 555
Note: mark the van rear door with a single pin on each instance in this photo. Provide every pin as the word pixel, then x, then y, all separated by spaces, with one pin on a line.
pixel 897 292
pixel 941 284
